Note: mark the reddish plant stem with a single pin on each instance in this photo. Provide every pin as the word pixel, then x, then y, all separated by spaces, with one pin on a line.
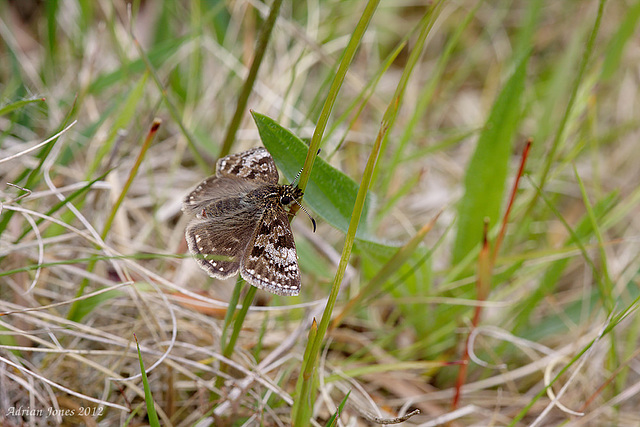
pixel 485 268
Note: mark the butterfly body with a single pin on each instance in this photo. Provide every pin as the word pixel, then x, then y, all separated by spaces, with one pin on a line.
pixel 241 224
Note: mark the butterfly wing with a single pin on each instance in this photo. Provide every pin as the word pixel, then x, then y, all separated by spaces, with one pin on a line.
pixel 270 261
pixel 254 164
pixel 216 190
pixel 224 224
pixel 236 174
pixel 218 246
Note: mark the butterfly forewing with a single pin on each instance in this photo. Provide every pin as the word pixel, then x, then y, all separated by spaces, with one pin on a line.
pixel 255 164
pixel 270 261
pixel 216 193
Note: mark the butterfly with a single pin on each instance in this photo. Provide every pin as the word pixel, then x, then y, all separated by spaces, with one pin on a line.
pixel 241 223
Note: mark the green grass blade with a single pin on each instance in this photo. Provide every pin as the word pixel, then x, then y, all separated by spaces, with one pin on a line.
pixel 625 33
pixel 588 51
pixel 229 346
pixel 18 104
pixel 336 84
pixel 302 408
pixel 604 281
pixel 126 113
pixel 333 419
pixel 486 175
pixel 243 98
pixel 151 407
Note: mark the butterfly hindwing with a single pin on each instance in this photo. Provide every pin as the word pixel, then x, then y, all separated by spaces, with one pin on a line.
pixel 270 261
pixel 218 243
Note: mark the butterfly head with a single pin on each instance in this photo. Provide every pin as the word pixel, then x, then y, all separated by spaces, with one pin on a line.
pixel 290 194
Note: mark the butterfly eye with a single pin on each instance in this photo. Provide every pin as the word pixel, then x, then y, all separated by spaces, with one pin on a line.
pixel 285 200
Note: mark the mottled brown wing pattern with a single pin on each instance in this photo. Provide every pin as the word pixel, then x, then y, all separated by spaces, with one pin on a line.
pixel 270 261
pixel 254 164
pixel 241 224
pixel 219 244
pixel 218 253
pixel 214 191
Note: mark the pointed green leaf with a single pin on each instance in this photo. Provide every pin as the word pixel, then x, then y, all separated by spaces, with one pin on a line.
pixel 330 193
pixel 487 171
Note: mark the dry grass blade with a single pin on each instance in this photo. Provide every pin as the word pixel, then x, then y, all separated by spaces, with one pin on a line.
pixel 538 327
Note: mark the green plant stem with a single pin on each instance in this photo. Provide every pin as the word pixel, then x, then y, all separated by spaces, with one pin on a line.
pixel 228 348
pixel 301 411
pixel 261 47
pixel 567 112
pixel 336 84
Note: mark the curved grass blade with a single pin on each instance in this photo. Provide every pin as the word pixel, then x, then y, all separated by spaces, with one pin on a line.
pixel 18 104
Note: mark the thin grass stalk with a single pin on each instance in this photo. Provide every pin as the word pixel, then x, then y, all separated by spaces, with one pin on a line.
pixel 194 82
pixel 572 99
pixel 336 84
pixel 239 321
pixel 173 111
pixel 261 47
pixel 305 392
pixel 228 318
pixel 574 237
pixel 107 226
pixel 486 264
pixel 363 99
pixel 605 283
pixel 483 285
pixel 505 219
pixel 342 266
pixel 228 348
pixel 6 109
pixel 231 309
pixel 132 174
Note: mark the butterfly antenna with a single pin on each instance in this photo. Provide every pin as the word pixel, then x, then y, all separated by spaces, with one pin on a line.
pixel 298 176
pixel 313 221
